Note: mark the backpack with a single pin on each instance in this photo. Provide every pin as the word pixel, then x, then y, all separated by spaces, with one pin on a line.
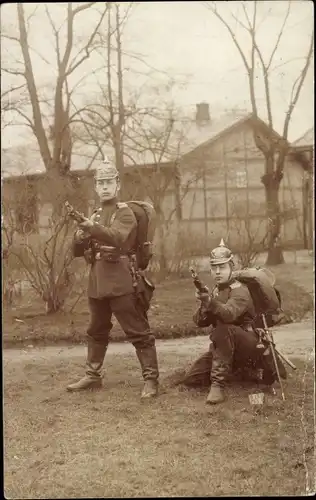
pixel 266 298
pixel 145 215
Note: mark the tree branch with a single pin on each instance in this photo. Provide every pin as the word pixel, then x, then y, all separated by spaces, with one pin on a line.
pixel 14 72
pixel 80 8
pixel 56 34
pixel 12 89
pixel 74 65
pixel 213 9
pixel 300 81
pixel 29 76
pixel 29 121
pixel 280 34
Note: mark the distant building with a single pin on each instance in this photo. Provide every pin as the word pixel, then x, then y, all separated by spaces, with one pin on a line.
pixel 207 182
pixel 302 151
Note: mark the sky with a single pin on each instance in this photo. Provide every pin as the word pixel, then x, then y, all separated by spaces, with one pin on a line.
pixel 183 41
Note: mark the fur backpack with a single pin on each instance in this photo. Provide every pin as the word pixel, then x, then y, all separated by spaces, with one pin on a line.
pixel 266 298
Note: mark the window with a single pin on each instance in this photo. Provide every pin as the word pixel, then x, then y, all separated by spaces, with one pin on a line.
pixel 241 179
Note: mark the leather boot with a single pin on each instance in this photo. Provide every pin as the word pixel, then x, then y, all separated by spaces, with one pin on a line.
pixel 216 395
pixel 219 374
pixel 149 364
pixel 92 378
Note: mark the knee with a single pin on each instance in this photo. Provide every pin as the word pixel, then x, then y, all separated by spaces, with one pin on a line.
pixel 99 332
pixel 143 341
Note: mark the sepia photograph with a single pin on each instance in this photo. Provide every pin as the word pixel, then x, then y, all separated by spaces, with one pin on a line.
pixel 157 240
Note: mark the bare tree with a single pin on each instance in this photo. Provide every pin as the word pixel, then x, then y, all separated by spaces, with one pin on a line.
pixel 247 235
pixel 273 148
pixel 56 158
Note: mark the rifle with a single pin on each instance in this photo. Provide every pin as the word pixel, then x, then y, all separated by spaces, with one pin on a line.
pixel 199 285
pixel 79 217
pixel 269 337
pixel 275 352
pixel 74 214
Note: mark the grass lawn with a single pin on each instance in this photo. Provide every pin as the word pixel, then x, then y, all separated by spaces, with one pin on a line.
pixel 109 444
pixel 170 314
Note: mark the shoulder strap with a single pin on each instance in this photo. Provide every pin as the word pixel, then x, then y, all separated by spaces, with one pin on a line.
pixel 235 284
pixel 121 204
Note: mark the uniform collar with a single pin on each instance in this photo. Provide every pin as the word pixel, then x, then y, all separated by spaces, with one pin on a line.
pixel 109 203
pixel 223 286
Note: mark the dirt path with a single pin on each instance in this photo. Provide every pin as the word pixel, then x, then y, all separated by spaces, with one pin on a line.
pixel 296 339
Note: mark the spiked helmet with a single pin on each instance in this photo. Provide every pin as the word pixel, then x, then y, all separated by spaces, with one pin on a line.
pixel 106 170
pixel 221 254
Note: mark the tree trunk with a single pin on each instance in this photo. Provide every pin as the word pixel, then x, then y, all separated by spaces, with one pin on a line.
pixel 305 193
pixel 275 251
pixel 310 212
pixel 53 306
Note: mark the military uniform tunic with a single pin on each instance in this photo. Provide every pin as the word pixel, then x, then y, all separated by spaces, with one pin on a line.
pixel 234 341
pixel 110 287
pixel 112 279
pixel 230 303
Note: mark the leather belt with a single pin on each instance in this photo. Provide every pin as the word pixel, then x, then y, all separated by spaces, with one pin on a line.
pixel 109 256
pixel 109 253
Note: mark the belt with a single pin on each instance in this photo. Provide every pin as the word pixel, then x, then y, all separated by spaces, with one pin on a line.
pixel 109 256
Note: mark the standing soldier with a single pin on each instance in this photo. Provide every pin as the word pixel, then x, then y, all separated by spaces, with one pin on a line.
pixel 230 311
pixel 107 245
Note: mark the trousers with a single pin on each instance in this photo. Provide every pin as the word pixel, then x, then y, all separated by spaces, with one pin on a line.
pixel 131 317
pixel 232 350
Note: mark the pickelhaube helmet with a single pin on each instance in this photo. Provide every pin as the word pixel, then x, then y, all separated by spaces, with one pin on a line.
pixel 106 170
pixel 221 254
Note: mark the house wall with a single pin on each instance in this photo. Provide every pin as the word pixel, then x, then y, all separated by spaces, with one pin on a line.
pixel 219 186
pixel 157 188
pixel 224 180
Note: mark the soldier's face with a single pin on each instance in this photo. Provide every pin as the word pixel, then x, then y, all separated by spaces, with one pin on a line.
pixel 221 272
pixel 107 189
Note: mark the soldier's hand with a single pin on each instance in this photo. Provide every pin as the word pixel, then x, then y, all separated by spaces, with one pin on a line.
pixel 81 235
pixel 86 225
pixel 203 297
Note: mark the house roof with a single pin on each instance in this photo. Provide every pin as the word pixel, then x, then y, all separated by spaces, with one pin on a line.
pixel 185 136
pixel 306 140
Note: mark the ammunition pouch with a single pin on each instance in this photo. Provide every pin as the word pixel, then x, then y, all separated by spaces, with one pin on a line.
pixel 145 292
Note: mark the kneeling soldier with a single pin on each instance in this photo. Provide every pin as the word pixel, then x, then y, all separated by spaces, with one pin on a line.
pixel 230 310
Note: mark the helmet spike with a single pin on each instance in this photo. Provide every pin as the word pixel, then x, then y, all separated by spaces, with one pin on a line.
pixel 222 244
pixel 106 160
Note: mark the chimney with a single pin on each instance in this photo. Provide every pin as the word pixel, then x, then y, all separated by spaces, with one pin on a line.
pixel 202 116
